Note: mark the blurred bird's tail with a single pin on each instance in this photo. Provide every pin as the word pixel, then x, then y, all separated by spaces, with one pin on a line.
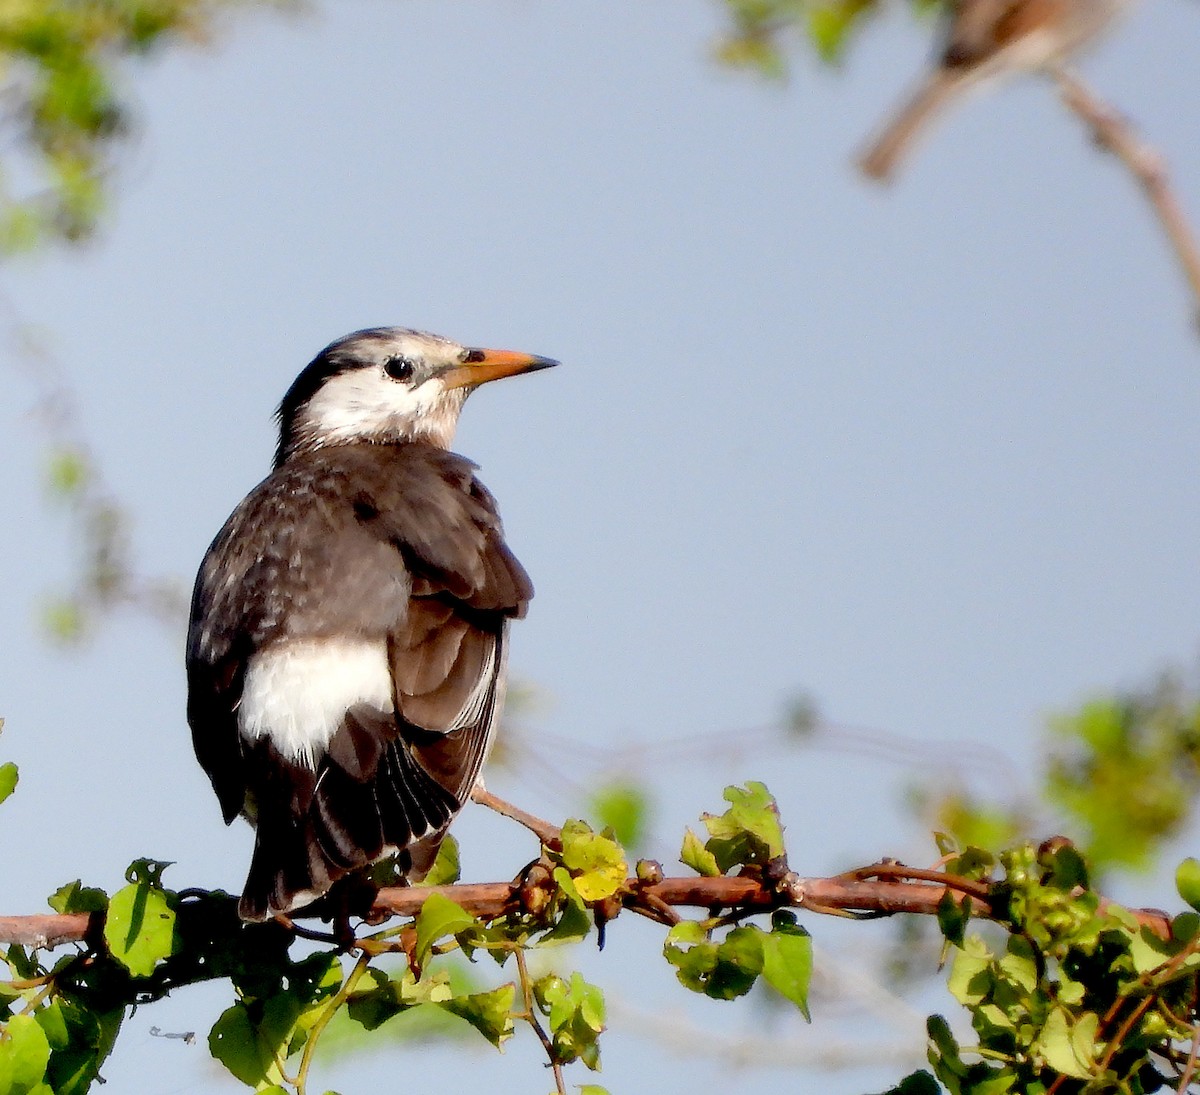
pixel 899 136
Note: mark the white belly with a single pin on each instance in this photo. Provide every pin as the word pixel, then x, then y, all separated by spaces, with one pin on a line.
pixel 295 693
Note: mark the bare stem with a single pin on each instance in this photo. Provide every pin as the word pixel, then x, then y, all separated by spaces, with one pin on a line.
pixel 338 999
pixel 530 1016
pixel 1114 134
pixel 548 834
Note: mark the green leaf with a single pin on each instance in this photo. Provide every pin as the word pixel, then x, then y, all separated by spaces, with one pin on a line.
pixel 576 1013
pixel 53 1023
pixel 1020 965
pixel 74 897
pixel 8 779
pixel 147 872
pixel 1069 1049
pixel 445 870
pixel 697 856
pixel 24 1054
pixel 250 1038
pixel 490 1013
pixel 787 963
pixel 233 1041
pixel 573 922
pixel 439 917
pixel 1187 881
pixel 724 970
pixel 596 861
pixel 748 832
pixel 1148 951
pixel 381 997
pixel 139 928
pixel 970 977
pixel 80 1039
pixel 916 1083
pixel 953 916
pixel 1185 927
pixel 945 1055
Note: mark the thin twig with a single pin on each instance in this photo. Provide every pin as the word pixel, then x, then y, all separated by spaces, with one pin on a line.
pixel 530 1016
pixel 1190 1068
pixel 550 835
pixel 1114 134
pixel 336 1001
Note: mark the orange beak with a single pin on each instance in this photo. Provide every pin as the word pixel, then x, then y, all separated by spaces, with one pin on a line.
pixel 480 366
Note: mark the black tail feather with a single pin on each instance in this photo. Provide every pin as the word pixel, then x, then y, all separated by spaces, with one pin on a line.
pixel 342 822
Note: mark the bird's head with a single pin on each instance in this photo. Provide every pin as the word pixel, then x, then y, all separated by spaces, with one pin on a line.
pixel 386 385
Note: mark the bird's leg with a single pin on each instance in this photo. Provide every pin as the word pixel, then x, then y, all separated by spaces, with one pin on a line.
pixel 290 925
pixel 549 835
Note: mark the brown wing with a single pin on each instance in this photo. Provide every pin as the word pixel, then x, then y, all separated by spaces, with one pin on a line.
pixel 399 542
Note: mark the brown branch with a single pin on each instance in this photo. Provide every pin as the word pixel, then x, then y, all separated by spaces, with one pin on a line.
pixel 1114 134
pixel 904 890
pixel 550 835
pixel 46 930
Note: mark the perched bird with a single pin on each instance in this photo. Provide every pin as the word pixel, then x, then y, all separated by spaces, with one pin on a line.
pixel 983 39
pixel 347 646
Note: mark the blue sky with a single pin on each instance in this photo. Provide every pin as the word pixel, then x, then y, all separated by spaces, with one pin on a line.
pixel 926 454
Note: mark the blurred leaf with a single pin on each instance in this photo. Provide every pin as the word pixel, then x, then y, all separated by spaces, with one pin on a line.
pixel 64 620
pixel 830 24
pixel 1126 770
pixel 623 808
pixel 802 718
pixel 67 473
pixel 1187 881
pixel 383 997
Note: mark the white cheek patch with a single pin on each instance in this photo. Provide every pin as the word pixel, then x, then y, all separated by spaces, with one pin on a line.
pixel 359 403
pixel 295 693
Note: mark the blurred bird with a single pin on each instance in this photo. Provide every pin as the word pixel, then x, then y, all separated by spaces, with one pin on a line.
pixel 347 647
pixel 982 40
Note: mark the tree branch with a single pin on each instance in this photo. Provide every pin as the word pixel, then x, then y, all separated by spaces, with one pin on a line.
pixel 904 890
pixel 1114 134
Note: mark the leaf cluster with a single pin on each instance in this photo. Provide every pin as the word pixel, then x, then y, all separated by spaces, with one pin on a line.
pixel 1078 996
pixel 759 30
pixel 60 67
pixel 723 961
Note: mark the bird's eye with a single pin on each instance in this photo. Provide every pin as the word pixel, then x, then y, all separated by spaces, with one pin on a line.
pixel 399 367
